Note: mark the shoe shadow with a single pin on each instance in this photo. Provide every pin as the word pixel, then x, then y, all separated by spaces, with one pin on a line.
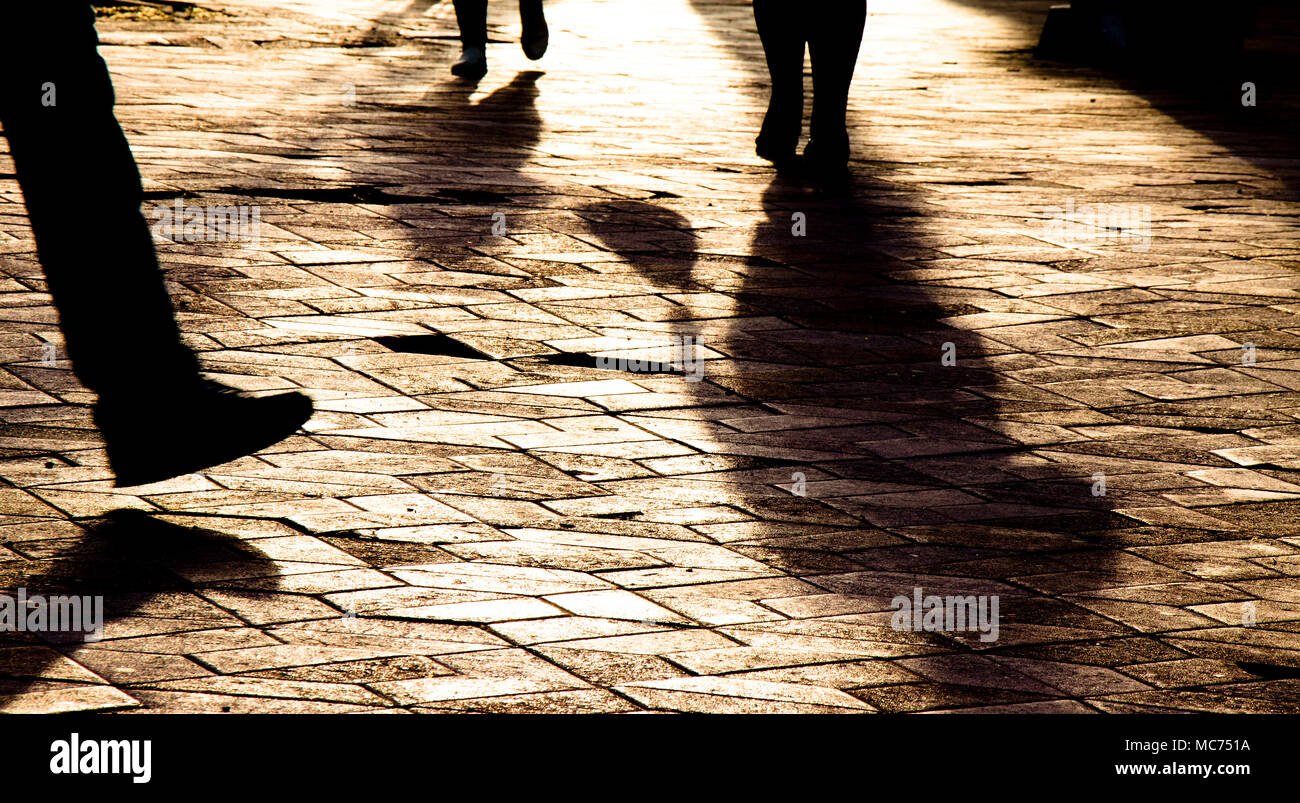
pixel 130 563
pixel 502 126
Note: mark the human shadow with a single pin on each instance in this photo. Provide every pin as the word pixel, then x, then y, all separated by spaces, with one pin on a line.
pixel 502 127
pixel 830 333
pixel 130 560
pixel 830 342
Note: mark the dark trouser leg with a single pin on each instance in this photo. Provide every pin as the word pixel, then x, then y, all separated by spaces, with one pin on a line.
pixel 833 43
pixel 82 191
pixel 781 27
pixel 83 194
pixel 471 16
pixel 536 35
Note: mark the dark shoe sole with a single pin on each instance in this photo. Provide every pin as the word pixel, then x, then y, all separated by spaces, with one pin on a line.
pixel 174 442
pixel 776 152
pixel 827 159
pixel 469 69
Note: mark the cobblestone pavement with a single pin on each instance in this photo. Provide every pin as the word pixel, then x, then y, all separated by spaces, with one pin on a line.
pixel 484 515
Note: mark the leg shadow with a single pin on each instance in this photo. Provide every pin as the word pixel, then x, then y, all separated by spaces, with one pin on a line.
pixel 501 128
pixel 129 559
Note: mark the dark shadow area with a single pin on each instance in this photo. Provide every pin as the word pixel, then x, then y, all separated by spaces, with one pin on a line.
pixel 127 557
pixel 846 339
pixel 504 124
pixel 431 344
pixel 1204 91
pixel 910 477
pixel 836 327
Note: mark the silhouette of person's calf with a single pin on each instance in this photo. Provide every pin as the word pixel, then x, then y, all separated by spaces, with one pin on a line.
pixel 82 189
pixel 832 32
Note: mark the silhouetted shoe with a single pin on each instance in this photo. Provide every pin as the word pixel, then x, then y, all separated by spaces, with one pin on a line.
pixel 777 150
pixel 827 156
pixel 779 136
pixel 536 35
pixel 156 439
pixel 472 62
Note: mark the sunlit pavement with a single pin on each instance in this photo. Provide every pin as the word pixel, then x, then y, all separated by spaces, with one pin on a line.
pixel 931 382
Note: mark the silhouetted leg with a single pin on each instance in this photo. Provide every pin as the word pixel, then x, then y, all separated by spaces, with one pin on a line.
pixel 471 16
pixel 82 189
pixel 834 39
pixel 83 194
pixel 536 35
pixel 781 25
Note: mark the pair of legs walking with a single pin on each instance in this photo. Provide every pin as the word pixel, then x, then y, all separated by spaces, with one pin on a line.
pixel 471 16
pixel 831 30
pixel 158 416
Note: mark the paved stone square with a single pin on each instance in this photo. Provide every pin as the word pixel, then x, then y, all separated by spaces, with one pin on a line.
pixel 918 381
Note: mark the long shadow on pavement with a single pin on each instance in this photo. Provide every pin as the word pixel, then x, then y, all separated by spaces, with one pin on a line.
pixel 135 562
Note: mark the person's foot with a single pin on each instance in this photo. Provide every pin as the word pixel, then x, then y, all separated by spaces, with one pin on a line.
pixel 777 150
pixel 472 62
pixel 779 137
pixel 827 155
pixel 156 439
pixel 536 36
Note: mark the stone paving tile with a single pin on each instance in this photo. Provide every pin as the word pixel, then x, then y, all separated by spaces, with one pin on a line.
pixel 522 531
pixel 283 655
pixel 1186 672
pixel 840 675
pixel 43 663
pixel 402 667
pixel 738 659
pixel 41 697
pixel 1049 707
pixel 580 701
pixel 920 697
pixel 1071 679
pixel 566 628
pixel 274 688
pixel 733 695
pixel 131 668
pixel 184 702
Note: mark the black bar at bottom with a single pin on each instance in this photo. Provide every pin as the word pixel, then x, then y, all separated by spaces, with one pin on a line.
pixel 672 754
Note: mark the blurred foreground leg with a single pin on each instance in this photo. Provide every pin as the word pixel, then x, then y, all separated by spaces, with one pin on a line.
pixel 536 35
